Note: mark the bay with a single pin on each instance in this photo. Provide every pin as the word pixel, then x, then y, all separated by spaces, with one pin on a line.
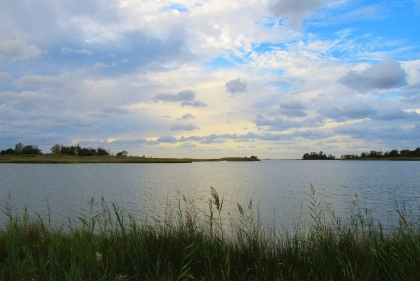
pixel 279 189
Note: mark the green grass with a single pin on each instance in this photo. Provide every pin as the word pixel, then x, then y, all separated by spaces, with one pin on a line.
pixel 108 244
pixel 66 159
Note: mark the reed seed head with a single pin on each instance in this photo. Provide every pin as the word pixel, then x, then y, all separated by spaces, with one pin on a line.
pixel 241 211
pixel 98 257
pixel 185 199
pixel 215 195
pixel 189 221
pixel 250 204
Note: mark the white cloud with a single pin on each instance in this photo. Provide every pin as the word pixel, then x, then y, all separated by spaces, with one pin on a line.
pixel 99 65
pixel 18 50
pixel 67 50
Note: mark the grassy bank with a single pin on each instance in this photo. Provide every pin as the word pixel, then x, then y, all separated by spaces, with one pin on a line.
pixel 108 244
pixel 64 159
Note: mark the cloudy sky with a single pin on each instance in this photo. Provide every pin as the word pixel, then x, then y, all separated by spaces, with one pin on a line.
pixel 209 78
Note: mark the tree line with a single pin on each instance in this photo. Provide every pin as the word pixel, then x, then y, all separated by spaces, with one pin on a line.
pixel 317 156
pixel 21 149
pixel 404 153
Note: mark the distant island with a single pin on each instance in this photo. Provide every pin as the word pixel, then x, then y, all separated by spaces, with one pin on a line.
pixel 76 154
pixel 404 154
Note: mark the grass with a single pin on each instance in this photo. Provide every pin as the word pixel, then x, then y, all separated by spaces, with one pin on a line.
pixel 66 159
pixel 108 244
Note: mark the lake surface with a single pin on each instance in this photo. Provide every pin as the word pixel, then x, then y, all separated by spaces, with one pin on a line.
pixel 280 188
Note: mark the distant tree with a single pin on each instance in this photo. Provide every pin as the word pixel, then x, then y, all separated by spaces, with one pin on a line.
pixel 56 149
pixel 9 151
pixel 102 151
pixel 85 152
pixel 405 152
pixel 71 150
pixel 31 149
pixel 123 154
pixel 18 148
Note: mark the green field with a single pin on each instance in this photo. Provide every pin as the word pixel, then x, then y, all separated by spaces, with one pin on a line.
pixel 105 243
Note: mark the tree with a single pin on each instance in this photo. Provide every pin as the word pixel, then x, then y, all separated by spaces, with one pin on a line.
pixel 102 151
pixel 9 151
pixel 18 148
pixel 56 149
pixel 85 152
pixel 31 149
pixel 122 153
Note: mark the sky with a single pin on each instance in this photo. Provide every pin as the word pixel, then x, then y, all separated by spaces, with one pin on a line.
pixel 210 79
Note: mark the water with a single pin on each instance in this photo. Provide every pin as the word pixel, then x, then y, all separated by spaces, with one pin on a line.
pixel 279 188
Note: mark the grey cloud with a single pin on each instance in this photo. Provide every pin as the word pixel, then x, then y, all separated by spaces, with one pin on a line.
pixel 167 139
pixel 236 86
pixel 186 116
pixel 187 145
pixel 17 49
pixel 295 10
pixel 36 81
pixel 292 108
pixel 182 96
pixel 187 127
pixel 357 111
pixel 391 136
pixel 277 124
pixel 194 104
pixel 411 94
pixel 389 114
pixel 332 112
pixel 5 76
pixel 386 74
pixel 111 111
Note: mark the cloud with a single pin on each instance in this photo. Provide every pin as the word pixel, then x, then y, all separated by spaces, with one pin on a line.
pixel 187 98
pixel 277 124
pixel 358 111
pixel 194 104
pixel 99 65
pixel 295 10
pixel 5 76
pixel 236 86
pixel 187 127
pixel 183 96
pixel 67 50
pixel 292 108
pixel 411 94
pixel 389 114
pixel 18 50
pixel 386 74
pixel 186 116
pixel 37 81
pixel 167 139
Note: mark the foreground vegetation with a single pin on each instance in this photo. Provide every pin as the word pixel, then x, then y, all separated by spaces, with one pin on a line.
pixel 108 244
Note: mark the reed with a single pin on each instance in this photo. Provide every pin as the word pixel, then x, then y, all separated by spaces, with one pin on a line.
pixel 106 243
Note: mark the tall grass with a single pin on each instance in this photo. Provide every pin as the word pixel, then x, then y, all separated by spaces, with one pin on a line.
pixel 105 243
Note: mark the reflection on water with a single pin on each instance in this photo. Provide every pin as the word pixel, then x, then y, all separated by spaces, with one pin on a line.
pixel 278 187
